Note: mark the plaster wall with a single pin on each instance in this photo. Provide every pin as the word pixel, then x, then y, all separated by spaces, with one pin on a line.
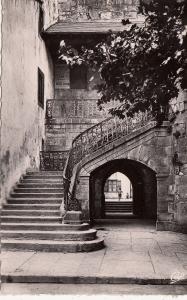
pixel 21 117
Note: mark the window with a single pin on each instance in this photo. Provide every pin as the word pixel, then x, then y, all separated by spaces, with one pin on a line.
pixel 112 185
pixel 40 88
pixel 40 20
pixel 78 77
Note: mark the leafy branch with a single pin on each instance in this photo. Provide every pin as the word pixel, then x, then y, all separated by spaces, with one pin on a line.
pixel 143 67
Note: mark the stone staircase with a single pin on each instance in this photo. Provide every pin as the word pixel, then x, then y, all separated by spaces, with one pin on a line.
pixel 119 207
pixel 30 221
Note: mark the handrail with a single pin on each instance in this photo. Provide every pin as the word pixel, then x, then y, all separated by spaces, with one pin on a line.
pixel 92 140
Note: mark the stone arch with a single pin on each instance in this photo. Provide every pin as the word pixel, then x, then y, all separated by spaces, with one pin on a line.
pixel 146 154
pixel 143 180
pixel 151 150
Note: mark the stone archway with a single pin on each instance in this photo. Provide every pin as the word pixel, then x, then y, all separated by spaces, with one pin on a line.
pixel 147 158
pixel 144 184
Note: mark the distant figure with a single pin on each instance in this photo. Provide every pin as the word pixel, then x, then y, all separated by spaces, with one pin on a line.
pixel 127 196
pixel 119 193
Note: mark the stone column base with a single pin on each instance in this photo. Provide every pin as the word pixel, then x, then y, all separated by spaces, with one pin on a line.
pixel 73 217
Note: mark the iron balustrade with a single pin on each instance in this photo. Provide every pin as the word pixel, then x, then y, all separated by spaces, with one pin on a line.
pixel 94 139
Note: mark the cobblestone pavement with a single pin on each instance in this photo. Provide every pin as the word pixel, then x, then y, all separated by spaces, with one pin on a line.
pixel 132 251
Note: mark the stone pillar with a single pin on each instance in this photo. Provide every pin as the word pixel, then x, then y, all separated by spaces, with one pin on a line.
pixel 164 214
pixel 82 193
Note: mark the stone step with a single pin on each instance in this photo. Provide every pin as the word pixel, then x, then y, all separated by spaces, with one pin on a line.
pixel 36 195
pixel 31 219
pixel 52 246
pixel 39 185
pixel 30 212
pixel 44 227
pixel 41 181
pixel 118 211
pixel 118 207
pixel 50 235
pixel 38 190
pixel 31 207
pixel 43 176
pixel 59 173
pixel 124 205
pixel 119 215
pixel 118 203
pixel 34 201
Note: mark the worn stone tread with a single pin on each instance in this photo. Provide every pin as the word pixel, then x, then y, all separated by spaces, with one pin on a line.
pixel 49 242
pixel 65 232
pixel 52 246
pixel 83 235
pixel 44 226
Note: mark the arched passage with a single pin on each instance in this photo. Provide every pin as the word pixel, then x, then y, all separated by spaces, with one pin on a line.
pixel 143 181
pixel 118 192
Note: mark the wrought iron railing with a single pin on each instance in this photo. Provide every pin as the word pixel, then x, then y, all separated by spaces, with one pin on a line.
pixel 92 140
pixel 53 160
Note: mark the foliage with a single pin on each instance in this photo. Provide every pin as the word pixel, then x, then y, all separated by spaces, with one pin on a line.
pixel 142 67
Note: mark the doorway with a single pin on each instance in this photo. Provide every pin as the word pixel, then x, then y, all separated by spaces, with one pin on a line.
pixel 118 194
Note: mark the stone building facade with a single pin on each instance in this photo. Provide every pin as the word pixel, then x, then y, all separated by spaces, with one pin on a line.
pixel 46 104
pixel 80 23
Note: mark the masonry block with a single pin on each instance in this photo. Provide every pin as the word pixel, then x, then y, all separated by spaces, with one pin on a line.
pixel 165 217
pixel 181 214
pixel 73 217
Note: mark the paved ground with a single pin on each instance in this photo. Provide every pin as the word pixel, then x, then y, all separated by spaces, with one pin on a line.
pixel 91 289
pixel 133 254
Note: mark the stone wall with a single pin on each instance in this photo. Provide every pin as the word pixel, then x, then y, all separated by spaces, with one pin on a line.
pixel 83 10
pixel 72 111
pixel 62 82
pixel 68 118
pixel 21 116
pixel 178 189
pixel 62 130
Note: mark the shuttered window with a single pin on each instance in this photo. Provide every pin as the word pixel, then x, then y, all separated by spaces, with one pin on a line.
pixel 40 88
